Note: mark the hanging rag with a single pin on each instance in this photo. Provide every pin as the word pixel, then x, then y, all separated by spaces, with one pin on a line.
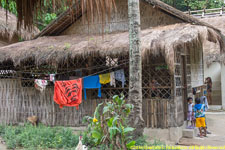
pixel 40 84
pixel 68 93
pixel 91 82
pixel 112 79
pixel 119 75
pixel 52 77
pixel 104 78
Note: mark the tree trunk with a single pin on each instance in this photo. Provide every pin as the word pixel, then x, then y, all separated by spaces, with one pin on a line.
pixel 135 85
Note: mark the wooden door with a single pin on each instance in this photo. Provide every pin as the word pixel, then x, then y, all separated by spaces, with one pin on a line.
pixel 184 84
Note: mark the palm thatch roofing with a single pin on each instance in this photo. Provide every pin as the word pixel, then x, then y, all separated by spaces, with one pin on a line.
pixel 65 19
pixel 162 40
pixel 212 52
pixel 8 29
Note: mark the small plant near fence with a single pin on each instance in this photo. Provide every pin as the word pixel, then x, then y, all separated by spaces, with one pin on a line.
pixel 108 127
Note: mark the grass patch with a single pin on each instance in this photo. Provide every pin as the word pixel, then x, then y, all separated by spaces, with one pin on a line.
pixel 41 137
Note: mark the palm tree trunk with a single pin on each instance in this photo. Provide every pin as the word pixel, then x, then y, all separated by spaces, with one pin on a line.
pixel 135 85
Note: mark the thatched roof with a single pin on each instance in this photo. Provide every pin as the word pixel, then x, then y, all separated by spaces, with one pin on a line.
pixel 160 40
pixel 65 20
pixel 212 51
pixel 217 21
pixel 8 30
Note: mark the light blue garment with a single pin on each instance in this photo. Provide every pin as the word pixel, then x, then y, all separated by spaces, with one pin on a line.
pixel 91 82
pixel 203 100
pixel 119 75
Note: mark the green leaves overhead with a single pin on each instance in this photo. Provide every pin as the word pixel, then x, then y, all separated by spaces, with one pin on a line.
pixel 28 9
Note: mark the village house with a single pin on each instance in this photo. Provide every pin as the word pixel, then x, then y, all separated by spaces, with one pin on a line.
pixel 70 48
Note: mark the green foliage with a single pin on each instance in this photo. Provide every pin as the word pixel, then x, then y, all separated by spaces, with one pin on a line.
pixel 49 13
pixel 11 7
pixel 184 5
pixel 43 18
pixel 41 137
pixel 108 127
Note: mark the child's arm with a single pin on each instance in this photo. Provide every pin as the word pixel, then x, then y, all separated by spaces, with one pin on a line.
pixel 194 110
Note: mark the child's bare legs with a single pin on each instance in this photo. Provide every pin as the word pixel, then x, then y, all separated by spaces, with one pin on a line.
pixel 205 133
pixel 200 131
pixel 209 98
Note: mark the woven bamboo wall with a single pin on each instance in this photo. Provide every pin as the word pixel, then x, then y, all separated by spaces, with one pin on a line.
pixel 156 113
pixel 17 103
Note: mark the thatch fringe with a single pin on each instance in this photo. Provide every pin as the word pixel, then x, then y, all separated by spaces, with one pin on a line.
pixel 8 30
pixel 160 40
pixel 212 51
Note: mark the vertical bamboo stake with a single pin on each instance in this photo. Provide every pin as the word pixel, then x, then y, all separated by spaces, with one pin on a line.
pixel 147 114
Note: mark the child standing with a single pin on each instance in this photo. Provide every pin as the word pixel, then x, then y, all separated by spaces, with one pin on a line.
pixel 190 113
pixel 203 100
pixel 199 110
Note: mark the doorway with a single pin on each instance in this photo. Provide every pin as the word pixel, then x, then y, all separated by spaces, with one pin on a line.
pixel 184 83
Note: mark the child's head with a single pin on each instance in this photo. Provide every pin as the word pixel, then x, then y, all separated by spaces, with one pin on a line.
pixel 197 101
pixel 189 100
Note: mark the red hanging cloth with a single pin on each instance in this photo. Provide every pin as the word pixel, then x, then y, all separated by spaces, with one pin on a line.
pixel 68 93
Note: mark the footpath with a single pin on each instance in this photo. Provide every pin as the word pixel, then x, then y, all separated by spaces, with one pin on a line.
pixel 216 125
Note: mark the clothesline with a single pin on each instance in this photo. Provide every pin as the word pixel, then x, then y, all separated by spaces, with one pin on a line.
pixel 72 71
pixel 86 68
pixel 69 92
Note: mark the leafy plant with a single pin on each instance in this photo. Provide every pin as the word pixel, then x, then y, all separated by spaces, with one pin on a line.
pixel 109 126
pixel 41 137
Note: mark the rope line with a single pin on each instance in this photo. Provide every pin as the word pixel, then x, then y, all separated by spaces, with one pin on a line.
pixel 16 77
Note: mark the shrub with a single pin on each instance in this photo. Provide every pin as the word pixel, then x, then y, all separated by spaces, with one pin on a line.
pixel 40 137
pixel 108 128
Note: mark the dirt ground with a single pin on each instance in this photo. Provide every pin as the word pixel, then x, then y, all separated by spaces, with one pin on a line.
pixel 2 146
pixel 216 125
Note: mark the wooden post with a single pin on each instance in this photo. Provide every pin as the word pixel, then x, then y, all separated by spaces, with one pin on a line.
pixel 203 13
pixel 221 11
pixel 147 114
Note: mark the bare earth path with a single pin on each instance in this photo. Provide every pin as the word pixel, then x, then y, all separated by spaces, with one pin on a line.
pixel 216 125
pixel 2 146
